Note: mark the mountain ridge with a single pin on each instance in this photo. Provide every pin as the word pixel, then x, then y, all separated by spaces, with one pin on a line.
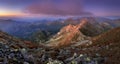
pixel 68 35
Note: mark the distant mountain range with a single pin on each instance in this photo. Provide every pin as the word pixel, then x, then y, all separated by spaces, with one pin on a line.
pixel 25 30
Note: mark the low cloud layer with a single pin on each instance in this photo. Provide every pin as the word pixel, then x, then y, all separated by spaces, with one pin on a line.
pixel 57 7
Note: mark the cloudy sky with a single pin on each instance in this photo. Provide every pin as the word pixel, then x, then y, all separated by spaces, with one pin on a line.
pixel 59 7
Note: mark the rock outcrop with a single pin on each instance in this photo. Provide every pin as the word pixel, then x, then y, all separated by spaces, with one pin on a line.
pixel 68 35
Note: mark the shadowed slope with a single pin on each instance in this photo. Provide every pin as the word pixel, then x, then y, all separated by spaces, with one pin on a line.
pixel 108 45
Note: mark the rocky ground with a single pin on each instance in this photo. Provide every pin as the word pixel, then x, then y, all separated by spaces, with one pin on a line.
pixel 46 56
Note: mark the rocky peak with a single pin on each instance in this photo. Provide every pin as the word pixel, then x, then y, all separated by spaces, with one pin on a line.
pixel 68 35
pixel 72 28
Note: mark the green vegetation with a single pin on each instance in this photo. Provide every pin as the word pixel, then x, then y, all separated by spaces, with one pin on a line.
pixel 40 36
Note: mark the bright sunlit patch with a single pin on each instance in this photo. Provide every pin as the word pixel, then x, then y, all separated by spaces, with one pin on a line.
pixel 10 13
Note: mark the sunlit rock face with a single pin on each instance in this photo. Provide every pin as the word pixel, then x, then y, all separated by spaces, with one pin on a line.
pixel 68 35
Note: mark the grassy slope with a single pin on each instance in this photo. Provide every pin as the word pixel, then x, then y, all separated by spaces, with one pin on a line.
pixel 110 44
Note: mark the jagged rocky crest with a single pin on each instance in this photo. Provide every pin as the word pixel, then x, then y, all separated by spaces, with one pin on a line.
pixel 69 35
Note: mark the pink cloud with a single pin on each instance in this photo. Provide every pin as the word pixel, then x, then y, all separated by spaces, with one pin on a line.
pixel 57 7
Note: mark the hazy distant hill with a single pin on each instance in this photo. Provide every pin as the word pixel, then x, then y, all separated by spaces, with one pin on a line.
pixel 6 24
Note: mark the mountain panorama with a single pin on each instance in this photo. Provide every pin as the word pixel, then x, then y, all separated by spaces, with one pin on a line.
pixel 80 41
pixel 59 32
